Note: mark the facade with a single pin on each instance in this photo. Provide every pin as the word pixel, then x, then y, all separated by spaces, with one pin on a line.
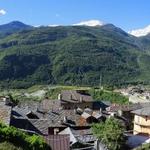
pixel 142 121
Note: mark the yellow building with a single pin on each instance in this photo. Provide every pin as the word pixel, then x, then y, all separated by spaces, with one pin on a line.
pixel 142 121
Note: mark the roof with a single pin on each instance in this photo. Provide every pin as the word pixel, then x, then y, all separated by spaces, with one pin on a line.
pixel 49 105
pixel 74 96
pixel 131 107
pixel 43 106
pixel 70 133
pixel 97 115
pixel 56 117
pixel 101 104
pixel 24 124
pixel 39 126
pixel 5 114
pixel 79 135
pixel 58 142
pixel 143 112
pixel 52 118
pixel 85 115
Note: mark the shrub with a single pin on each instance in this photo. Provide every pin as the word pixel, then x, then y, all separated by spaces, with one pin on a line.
pixel 22 139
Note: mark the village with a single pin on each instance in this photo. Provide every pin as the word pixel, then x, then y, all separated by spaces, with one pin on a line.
pixel 65 123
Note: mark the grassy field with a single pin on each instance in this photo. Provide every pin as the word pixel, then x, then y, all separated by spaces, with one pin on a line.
pixel 39 92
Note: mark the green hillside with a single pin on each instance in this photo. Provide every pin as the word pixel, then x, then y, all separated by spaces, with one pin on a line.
pixel 72 55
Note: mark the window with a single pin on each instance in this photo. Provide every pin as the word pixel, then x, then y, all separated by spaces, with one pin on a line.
pixel 146 118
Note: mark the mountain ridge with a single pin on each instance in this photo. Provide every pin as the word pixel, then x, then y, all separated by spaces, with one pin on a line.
pixel 72 55
pixel 12 27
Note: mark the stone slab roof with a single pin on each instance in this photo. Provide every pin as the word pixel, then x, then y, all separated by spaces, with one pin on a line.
pixel 142 112
pixel 74 96
pixel 79 135
pixel 58 142
pixel 130 107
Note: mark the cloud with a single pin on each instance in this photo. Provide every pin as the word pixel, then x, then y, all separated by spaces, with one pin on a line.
pixel 53 25
pixel 2 12
pixel 140 32
pixel 91 23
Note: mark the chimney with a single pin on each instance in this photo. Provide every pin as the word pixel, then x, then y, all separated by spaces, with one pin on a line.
pixel 65 119
pixel 81 99
pixel 100 110
pixel 59 96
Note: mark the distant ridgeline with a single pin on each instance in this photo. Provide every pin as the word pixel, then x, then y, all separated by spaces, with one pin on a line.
pixel 72 55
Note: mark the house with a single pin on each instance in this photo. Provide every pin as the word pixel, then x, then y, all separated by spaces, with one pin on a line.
pixel 82 137
pixel 71 99
pixel 31 117
pixel 125 111
pixel 38 118
pixel 142 121
pixel 94 117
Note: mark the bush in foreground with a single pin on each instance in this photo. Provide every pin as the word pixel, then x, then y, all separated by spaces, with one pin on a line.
pixel 110 133
pixel 21 139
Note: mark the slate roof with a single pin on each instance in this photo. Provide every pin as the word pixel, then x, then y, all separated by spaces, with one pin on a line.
pixel 49 105
pixel 142 112
pixel 85 115
pixel 5 114
pixel 39 126
pixel 131 107
pixel 58 142
pixel 74 96
pixel 52 118
pixel 81 135
pixel 97 115
pixel 55 115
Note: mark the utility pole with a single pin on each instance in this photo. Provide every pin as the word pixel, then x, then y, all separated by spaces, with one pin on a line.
pixel 100 82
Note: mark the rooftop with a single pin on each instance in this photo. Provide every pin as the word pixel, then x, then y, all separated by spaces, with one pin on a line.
pixel 58 142
pixel 130 107
pixel 74 96
pixel 142 112
pixel 83 136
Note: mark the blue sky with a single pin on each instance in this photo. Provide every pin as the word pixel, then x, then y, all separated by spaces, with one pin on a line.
pixel 127 14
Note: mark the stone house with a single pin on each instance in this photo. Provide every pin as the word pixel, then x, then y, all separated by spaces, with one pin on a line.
pixel 73 99
pixel 142 121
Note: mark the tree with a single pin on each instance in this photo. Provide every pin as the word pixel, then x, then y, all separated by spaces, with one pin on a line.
pixel 110 133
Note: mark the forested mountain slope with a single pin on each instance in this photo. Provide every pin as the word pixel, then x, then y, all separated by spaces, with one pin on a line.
pixel 73 55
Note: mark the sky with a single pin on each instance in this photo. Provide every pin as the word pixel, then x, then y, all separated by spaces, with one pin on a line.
pixel 126 14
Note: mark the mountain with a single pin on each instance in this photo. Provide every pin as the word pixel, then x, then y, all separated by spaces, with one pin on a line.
pixel 12 27
pixel 140 32
pixel 72 55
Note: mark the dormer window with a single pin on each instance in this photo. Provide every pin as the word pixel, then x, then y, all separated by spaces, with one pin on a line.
pixel 146 118
pixel 32 115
